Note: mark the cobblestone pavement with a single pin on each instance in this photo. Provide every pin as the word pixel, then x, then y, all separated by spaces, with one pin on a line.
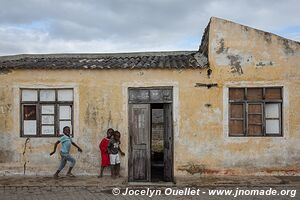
pixel 92 192
pixel 91 187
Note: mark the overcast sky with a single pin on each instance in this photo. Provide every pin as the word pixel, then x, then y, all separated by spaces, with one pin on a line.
pixel 95 26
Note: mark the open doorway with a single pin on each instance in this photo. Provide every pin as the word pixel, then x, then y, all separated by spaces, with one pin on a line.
pixel 157 142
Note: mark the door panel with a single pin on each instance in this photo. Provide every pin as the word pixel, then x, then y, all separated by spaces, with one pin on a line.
pixel 139 132
pixel 140 169
pixel 168 143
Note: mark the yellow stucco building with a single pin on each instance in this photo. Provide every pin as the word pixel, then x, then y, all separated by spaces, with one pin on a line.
pixel 230 108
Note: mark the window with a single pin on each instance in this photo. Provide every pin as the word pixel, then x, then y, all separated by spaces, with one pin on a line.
pixel 44 112
pixel 255 111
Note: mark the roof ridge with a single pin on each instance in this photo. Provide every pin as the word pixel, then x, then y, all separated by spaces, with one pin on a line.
pixel 96 55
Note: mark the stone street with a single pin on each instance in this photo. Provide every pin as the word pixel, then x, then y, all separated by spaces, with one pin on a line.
pixel 91 193
pixel 89 188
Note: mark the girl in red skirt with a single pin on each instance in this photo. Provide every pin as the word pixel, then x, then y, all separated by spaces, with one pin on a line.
pixel 105 162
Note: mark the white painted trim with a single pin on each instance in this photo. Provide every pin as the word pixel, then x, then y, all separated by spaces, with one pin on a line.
pixel 285 108
pixel 17 94
pixel 176 108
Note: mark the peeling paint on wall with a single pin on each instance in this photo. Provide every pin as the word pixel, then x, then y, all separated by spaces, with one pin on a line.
pixel 235 63
pixel 222 48
pixel 288 50
pixel 264 63
pixel 5 109
pixel 268 37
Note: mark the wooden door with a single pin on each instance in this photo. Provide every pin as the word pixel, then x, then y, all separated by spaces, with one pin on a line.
pixel 139 142
pixel 168 142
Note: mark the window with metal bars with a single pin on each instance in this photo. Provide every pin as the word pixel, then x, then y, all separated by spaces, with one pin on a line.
pixel 44 112
pixel 255 111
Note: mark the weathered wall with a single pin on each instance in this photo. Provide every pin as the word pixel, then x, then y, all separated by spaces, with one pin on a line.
pixel 238 55
pixel 243 56
pixel 100 102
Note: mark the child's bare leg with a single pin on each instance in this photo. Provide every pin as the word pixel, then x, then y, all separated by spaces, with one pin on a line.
pixel 118 170
pixel 70 170
pixel 115 171
pixel 56 174
pixel 101 172
pixel 112 168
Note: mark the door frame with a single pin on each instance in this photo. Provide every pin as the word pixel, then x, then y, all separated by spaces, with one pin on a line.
pixel 168 132
pixel 167 101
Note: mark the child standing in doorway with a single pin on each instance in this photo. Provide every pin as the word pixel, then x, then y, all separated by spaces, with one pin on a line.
pixel 113 150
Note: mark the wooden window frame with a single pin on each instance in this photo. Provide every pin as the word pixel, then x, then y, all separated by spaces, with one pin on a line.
pixel 263 102
pixel 39 114
pixel 239 119
pixel 279 118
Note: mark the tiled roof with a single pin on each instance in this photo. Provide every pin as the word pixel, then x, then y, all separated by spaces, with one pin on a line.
pixel 168 60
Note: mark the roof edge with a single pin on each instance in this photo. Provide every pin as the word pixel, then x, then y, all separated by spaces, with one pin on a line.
pixel 91 55
pixel 204 45
pixel 213 18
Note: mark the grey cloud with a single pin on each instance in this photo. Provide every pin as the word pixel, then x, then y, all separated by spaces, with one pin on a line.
pixel 135 25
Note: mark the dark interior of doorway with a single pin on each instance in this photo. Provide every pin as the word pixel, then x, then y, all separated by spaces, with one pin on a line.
pixel 157 142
